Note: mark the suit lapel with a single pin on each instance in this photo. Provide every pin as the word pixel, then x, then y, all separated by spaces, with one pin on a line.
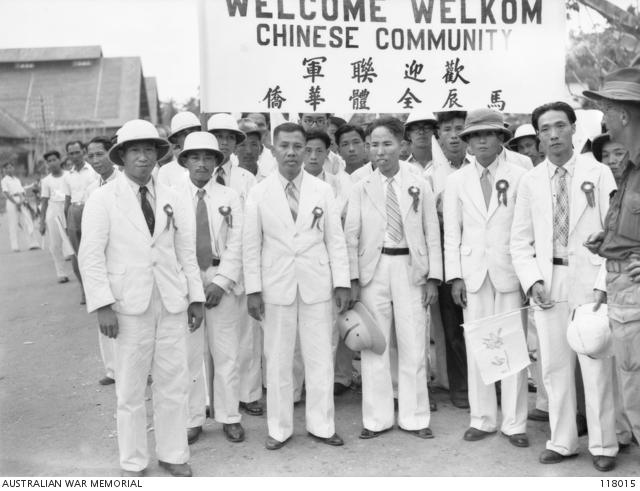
pixel 581 173
pixel 217 198
pixel 546 196
pixel 308 190
pixel 279 200
pixel 503 173
pixel 472 186
pixel 405 199
pixel 129 205
pixel 373 188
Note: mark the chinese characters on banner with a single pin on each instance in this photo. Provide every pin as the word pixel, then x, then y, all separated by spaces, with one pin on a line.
pixel 349 56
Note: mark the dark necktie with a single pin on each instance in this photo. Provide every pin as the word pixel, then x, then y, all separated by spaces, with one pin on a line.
pixel 147 211
pixel 220 175
pixel 204 252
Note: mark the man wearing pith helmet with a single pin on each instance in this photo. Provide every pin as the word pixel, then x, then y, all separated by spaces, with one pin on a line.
pixel 138 262
pixel 479 200
pixel 419 130
pixel 619 99
pixel 218 216
pixel 183 123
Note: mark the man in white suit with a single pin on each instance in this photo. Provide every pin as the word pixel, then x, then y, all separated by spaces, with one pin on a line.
pixel 140 274
pixel 560 203
pixel 173 174
pixel 396 264
pixel 478 206
pixel 295 262
pixel 218 240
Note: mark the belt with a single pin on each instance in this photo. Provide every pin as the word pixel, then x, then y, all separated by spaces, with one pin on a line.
pixel 77 203
pixel 395 252
pixel 558 261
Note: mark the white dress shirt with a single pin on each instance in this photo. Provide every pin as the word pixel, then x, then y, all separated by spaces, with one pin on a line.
pixel 78 181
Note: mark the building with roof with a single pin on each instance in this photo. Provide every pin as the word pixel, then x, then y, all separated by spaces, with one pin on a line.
pixel 74 92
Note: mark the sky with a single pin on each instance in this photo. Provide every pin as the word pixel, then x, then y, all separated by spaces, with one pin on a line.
pixel 164 33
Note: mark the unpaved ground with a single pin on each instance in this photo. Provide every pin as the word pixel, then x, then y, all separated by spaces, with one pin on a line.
pixel 56 420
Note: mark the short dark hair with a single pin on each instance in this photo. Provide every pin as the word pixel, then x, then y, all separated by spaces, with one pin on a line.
pixel 348 128
pixel 50 153
pixel 394 125
pixel 328 115
pixel 446 116
pixel 288 128
pixel 552 106
pixel 7 164
pixel 319 135
pixel 74 142
pixel 102 140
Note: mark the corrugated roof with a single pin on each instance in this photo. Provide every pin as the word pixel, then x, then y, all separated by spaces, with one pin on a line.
pixel 21 55
pixel 107 91
pixel 11 127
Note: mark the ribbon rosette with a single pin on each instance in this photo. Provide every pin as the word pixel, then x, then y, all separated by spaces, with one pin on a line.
pixel 225 211
pixel 502 186
pixel 414 192
pixel 170 219
pixel 317 213
pixel 588 188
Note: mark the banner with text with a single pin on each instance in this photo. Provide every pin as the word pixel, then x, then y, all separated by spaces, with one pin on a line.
pixel 380 55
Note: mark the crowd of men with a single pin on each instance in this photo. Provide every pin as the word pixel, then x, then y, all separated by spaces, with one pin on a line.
pixel 236 264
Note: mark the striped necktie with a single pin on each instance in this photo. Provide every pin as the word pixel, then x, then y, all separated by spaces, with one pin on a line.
pixel 292 199
pixel 394 219
pixel 561 209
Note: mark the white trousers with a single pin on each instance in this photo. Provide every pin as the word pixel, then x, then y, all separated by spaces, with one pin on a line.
pixel 54 239
pixel 221 338
pixel 250 360
pixel 393 298
pixel 312 323
pixel 482 398
pixel 542 400
pixel 108 354
pixel 558 374
pixel 151 342
pixel 20 223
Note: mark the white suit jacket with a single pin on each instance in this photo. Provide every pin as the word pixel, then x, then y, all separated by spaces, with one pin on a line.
pixel 532 230
pixel 120 261
pixel 224 239
pixel 518 158
pixel 476 239
pixel 241 180
pixel 366 225
pixel 172 174
pixel 282 257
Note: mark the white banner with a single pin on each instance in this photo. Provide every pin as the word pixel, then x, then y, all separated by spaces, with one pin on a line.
pixel 498 345
pixel 380 55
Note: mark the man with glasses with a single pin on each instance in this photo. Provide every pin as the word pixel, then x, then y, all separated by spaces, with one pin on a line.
pixel 560 203
pixel 320 122
pixel 419 129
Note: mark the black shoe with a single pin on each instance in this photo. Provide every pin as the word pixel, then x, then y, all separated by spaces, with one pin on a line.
pixel 433 405
pixel 474 434
pixel 604 463
pixel 424 433
pixel 334 440
pixel 64 279
pixel 553 457
pixel 538 415
pixel 252 408
pixel 460 401
pixel 193 434
pixel 273 444
pixel 366 434
pixel 106 381
pixel 234 432
pixel 518 439
pixel 532 387
pixel 339 389
pixel 177 470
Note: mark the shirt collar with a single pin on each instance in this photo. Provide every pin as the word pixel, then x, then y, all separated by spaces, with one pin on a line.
pixel 297 181
pixel 84 167
pixel 493 167
pixel 136 187
pixel 113 175
pixel 569 166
